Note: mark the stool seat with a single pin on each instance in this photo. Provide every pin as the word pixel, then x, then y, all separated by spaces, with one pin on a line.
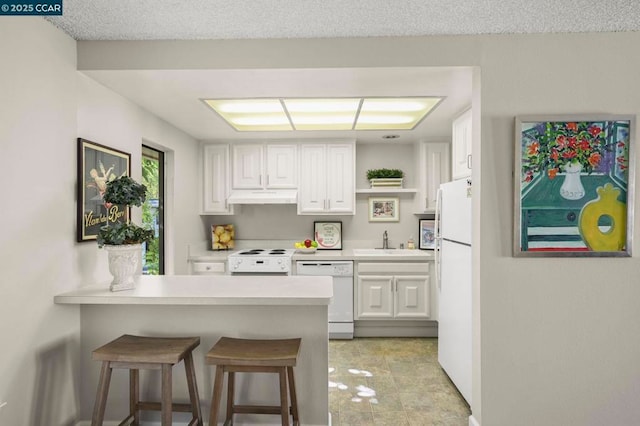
pixel 160 350
pixel 276 353
pixel 154 353
pixel 231 355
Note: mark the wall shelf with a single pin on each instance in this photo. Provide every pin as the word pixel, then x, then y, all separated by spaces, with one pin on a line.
pixel 386 191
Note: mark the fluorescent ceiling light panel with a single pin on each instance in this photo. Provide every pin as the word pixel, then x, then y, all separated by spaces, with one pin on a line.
pixel 324 113
pixel 256 115
pixel 394 113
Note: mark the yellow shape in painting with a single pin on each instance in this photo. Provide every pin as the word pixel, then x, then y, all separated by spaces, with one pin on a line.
pixel 606 204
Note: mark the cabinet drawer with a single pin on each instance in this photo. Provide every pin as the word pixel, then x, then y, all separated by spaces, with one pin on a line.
pixel 200 268
pixel 393 268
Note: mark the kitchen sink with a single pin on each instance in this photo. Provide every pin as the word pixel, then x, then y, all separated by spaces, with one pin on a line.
pixel 387 252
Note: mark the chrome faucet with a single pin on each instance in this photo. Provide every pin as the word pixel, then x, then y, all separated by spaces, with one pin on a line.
pixel 385 240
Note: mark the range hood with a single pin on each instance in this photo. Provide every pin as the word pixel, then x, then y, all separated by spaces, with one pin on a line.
pixel 263 196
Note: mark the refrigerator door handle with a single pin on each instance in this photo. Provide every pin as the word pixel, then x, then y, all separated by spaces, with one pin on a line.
pixel 438 238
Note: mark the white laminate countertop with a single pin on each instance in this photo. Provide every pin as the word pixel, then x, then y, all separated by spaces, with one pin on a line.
pixel 345 254
pixel 209 290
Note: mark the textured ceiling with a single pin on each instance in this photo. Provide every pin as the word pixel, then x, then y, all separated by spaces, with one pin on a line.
pixel 258 19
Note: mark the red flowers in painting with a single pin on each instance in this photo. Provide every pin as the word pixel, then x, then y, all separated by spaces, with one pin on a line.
pixel 553 145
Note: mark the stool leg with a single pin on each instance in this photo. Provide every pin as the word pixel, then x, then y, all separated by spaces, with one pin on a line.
pixel 193 388
pixel 217 395
pixel 294 399
pixel 231 380
pixel 101 395
pixel 284 402
pixel 166 395
pixel 134 395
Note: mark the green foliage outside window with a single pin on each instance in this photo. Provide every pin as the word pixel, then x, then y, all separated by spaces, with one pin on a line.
pixel 150 176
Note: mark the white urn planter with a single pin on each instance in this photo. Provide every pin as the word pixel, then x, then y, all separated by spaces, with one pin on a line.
pixel 123 265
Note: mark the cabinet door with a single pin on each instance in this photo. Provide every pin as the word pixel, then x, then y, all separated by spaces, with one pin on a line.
pixel 412 296
pixel 375 297
pixel 247 167
pixel 281 166
pixel 216 180
pixel 461 146
pixel 340 179
pixel 312 194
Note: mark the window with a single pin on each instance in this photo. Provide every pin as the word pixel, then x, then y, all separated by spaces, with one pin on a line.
pixel 153 210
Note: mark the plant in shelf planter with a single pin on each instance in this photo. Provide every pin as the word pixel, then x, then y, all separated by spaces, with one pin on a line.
pixel 122 240
pixel 385 177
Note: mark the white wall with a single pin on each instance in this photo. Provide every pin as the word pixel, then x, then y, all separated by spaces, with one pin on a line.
pixel 555 349
pixel 38 253
pixel 109 119
pixel 45 105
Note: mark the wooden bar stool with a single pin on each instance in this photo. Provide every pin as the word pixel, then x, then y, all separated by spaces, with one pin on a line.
pixel 155 353
pixel 254 356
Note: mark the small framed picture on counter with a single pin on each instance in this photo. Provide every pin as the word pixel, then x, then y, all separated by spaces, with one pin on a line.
pixel 427 234
pixel 328 235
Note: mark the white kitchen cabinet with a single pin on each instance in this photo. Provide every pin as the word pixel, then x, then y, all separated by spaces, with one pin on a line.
pixel 327 179
pixel 260 166
pixel 433 170
pixel 461 144
pixel 395 290
pixel 215 180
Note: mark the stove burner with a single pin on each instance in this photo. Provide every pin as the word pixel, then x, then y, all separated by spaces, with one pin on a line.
pixel 250 252
pixel 277 251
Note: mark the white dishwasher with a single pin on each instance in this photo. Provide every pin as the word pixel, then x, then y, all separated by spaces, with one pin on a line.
pixel 341 306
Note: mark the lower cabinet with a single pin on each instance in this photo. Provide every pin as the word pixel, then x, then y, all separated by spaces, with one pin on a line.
pixel 393 291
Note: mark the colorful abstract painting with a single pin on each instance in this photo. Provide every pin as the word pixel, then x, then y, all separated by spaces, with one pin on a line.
pixel 572 186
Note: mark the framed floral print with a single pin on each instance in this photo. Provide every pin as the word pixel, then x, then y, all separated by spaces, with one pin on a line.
pixel 574 186
pixel 97 165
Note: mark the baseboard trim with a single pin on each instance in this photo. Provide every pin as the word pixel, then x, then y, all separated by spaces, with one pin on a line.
pixel 473 421
pixel 395 328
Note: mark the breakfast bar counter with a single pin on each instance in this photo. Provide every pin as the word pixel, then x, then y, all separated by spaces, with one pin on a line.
pixel 260 307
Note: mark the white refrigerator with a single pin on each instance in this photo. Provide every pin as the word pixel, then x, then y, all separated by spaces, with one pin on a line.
pixel 453 271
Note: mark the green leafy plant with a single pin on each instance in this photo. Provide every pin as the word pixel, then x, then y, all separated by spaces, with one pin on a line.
pixel 384 173
pixel 124 191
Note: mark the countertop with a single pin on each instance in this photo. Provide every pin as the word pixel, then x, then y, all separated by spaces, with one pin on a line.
pixel 208 290
pixel 204 255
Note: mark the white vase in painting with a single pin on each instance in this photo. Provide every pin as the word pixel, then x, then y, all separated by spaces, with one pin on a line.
pixel 572 188
pixel 123 265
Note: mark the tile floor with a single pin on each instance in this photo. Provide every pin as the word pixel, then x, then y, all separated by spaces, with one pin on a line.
pixel 391 381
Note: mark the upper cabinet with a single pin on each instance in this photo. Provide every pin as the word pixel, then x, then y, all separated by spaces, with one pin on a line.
pixel 259 166
pixel 215 180
pixel 433 170
pixel 327 179
pixel 461 146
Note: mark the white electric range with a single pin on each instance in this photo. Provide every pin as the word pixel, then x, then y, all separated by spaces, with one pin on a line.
pixel 261 261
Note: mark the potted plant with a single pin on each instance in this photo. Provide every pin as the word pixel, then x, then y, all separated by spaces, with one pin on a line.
pixel 123 240
pixel 385 177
